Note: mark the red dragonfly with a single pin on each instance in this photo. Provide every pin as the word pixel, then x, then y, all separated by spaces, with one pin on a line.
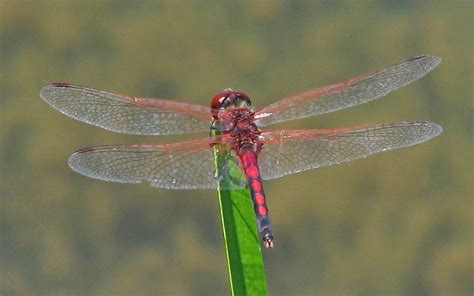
pixel 249 154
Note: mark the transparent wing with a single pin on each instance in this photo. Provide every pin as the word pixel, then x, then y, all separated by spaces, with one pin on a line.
pixel 125 114
pixel 292 151
pixel 184 165
pixel 346 94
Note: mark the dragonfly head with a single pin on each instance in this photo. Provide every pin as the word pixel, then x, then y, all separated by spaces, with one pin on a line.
pixel 230 99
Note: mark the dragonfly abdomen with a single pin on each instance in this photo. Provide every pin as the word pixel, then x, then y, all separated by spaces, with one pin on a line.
pixel 249 162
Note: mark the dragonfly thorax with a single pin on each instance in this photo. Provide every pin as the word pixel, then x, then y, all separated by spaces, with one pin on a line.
pixel 244 131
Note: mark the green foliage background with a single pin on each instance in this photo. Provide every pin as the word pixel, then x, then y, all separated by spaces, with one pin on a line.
pixel 398 223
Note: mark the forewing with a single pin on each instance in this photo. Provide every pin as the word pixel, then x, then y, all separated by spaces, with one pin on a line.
pixel 292 151
pixel 125 114
pixel 185 165
pixel 346 94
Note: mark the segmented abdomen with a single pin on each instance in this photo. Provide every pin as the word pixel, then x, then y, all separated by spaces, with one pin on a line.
pixel 248 158
pixel 250 166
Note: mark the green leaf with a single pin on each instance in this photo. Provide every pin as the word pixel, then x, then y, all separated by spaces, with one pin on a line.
pixel 244 256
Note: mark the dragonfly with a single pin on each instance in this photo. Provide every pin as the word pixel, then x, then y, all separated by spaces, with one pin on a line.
pixel 249 154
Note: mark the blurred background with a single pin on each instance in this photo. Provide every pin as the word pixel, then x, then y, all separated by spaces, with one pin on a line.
pixel 398 223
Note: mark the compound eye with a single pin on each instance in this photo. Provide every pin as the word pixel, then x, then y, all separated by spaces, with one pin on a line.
pixel 244 98
pixel 247 101
pixel 218 101
pixel 229 97
pixel 227 102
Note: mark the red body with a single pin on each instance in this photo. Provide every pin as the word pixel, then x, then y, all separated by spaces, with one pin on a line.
pixel 232 109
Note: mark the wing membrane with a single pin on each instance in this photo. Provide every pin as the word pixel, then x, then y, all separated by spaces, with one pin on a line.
pixel 349 93
pixel 124 114
pixel 184 165
pixel 288 152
